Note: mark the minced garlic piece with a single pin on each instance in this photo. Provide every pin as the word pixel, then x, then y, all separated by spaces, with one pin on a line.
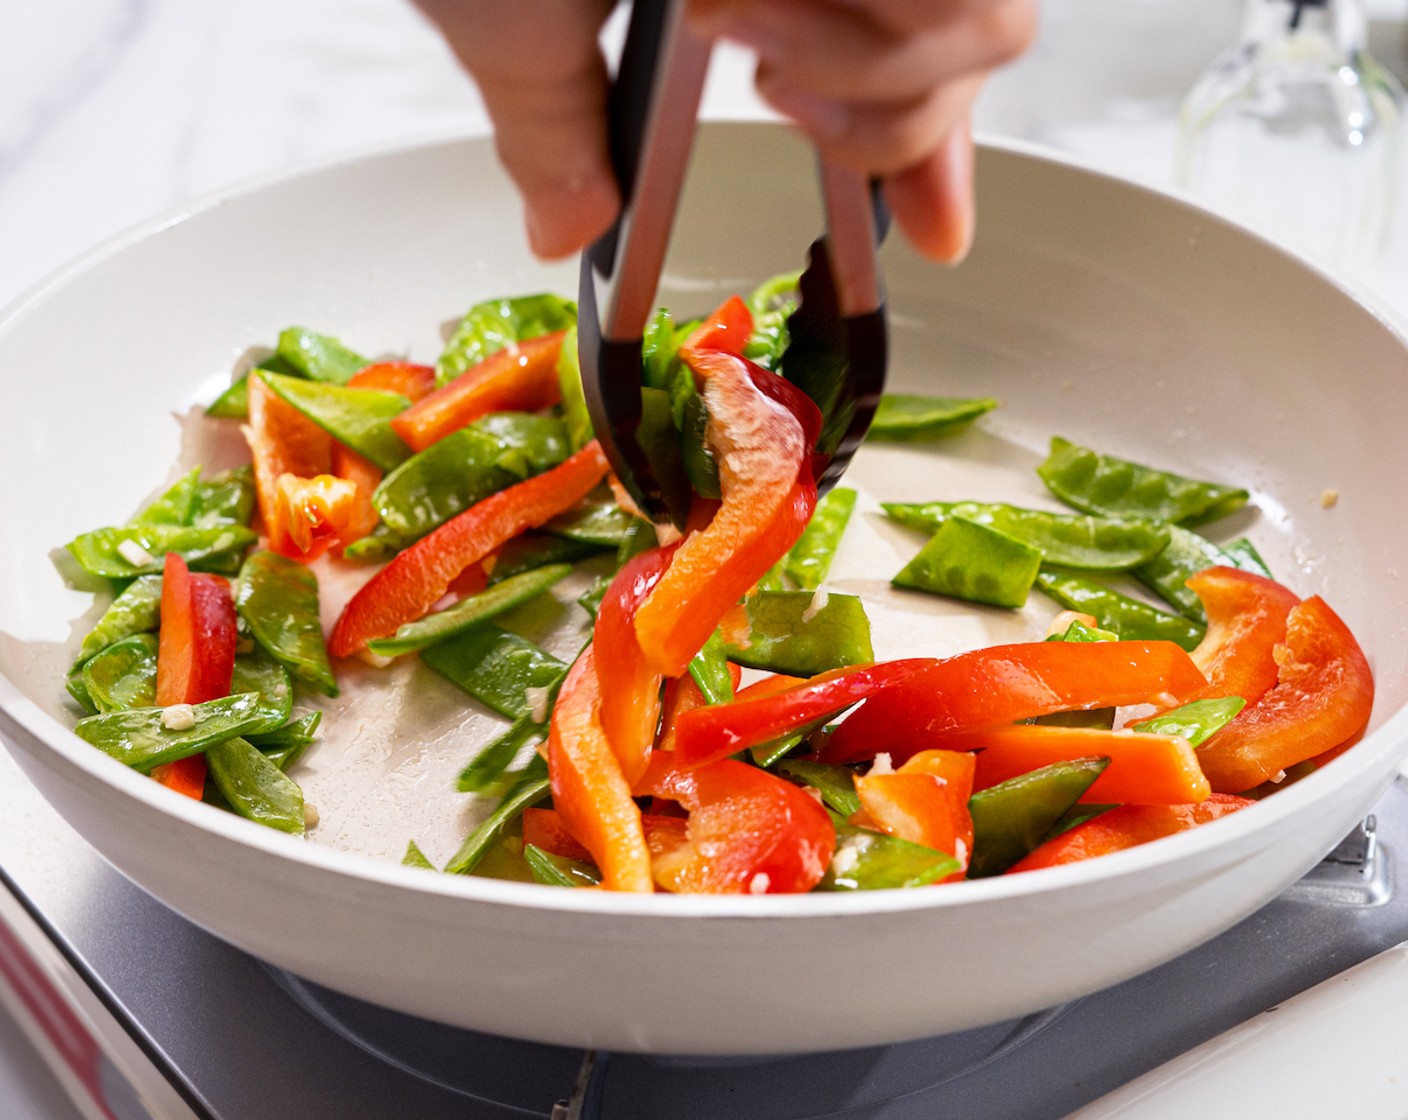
pixel 1329 498
pixel 134 553
pixel 817 605
pixel 760 883
pixel 311 817
pixel 178 717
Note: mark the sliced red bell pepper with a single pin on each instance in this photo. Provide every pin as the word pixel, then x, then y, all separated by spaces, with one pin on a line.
pixel 416 579
pixel 630 707
pixel 710 733
pixel 365 476
pixel 728 329
pixel 748 831
pixel 768 498
pixel 1246 622
pixel 1144 769
pixel 588 789
pixel 1323 694
pixel 1126 827
pixel 195 655
pixel 303 507
pixel 545 828
pixel 522 377
pixel 1001 684
pixel 412 381
pixel 925 802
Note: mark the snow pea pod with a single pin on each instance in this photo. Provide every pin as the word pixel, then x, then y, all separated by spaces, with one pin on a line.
pixel 662 446
pixel 359 418
pixel 257 672
pixel 590 599
pixel 496 667
pixel 595 522
pixel 1245 556
pixel 659 351
pixel 768 755
pixel 709 668
pixel 537 550
pixel 873 861
pixel 489 765
pixel 414 857
pixel 908 418
pixel 278 600
pixel 1102 484
pixel 233 402
pixel 215 549
pixel 135 610
pixel 470 612
pixel 1166 575
pixel 575 416
pixel 808 562
pixel 489 326
pixel 531 787
pixel 555 871
pixel 378 546
pixel 1196 721
pixel 138 738
pixel 254 786
pixel 771 303
pixel 971 561
pixel 465 467
pixel 836 784
pixel 75 687
pixel 226 498
pixel 802 633
pixel 174 505
pixel 123 675
pixel 318 357
pixel 1129 618
pixel 1013 817
pixel 1065 539
pixel 285 745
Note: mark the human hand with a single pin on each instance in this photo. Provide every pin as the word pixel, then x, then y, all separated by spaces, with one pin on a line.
pixel 882 86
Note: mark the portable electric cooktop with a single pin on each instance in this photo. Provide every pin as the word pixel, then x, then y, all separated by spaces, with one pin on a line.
pixel 141 1015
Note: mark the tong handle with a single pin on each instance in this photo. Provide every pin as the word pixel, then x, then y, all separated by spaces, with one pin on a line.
pixel 856 222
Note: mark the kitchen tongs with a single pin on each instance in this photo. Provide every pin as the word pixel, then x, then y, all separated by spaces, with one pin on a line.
pixel 837 351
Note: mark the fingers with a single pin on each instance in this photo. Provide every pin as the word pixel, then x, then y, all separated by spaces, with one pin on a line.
pixel 932 200
pixel 544 82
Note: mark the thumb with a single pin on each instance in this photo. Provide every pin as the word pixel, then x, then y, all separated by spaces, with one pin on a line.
pixel 541 73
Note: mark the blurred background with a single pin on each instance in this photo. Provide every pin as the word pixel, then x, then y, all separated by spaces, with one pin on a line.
pixel 113 111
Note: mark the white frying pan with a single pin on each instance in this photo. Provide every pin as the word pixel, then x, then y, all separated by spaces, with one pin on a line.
pixel 1107 313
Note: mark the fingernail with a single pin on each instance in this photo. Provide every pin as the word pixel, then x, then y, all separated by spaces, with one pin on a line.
pixel 820 116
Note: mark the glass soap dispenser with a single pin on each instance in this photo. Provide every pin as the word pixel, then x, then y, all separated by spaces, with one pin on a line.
pixel 1295 131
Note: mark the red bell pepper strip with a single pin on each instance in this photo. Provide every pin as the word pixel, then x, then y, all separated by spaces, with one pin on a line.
pixel 710 733
pixel 195 659
pixel 588 789
pixel 768 498
pixel 682 695
pixel 365 476
pixel 1246 622
pixel 925 802
pixel 1144 769
pixel 1323 694
pixel 748 831
pixel 522 377
pixel 303 507
pixel 420 575
pixel 412 381
pixel 727 329
pixel 630 707
pixel 1125 827
pixel 1002 684
pixel 545 828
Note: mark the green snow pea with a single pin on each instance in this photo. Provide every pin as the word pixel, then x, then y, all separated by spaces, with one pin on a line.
pixel 380 545
pixel 73 683
pixel 318 357
pixel 1196 721
pixel 1078 631
pixel 808 562
pixel 138 738
pixel 537 550
pixel 836 784
pixel 233 402
pixel 574 401
pixel 1244 555
pixel 123 675
pixel 489 326
pixel 496 667
pixel 1129 618
pixel 640 537
pixel 659 351
pixel 490 764
pixel 254 787
pixel 467 466
pixel 285 745
pixel 531 787
pixel 216 549
pixel 470 612
pixel 601 523
pixel 1166 575
pixel 709 668
pixel 1065 539
pixel 700 464
pixel 908 418
pixel 173 506
pixel 226 498
pixel 872 861
pixel 802 633
pixel 772 303
pixel 1102 484
pixel 135 610
pixel 360 418
pixel 1013 817
pixel 590 599
pixel 663 448
pixel 969 560
pixel 278 600
pixel 769 754
pixel 414 857
pixel 555 871
pixel 260 674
